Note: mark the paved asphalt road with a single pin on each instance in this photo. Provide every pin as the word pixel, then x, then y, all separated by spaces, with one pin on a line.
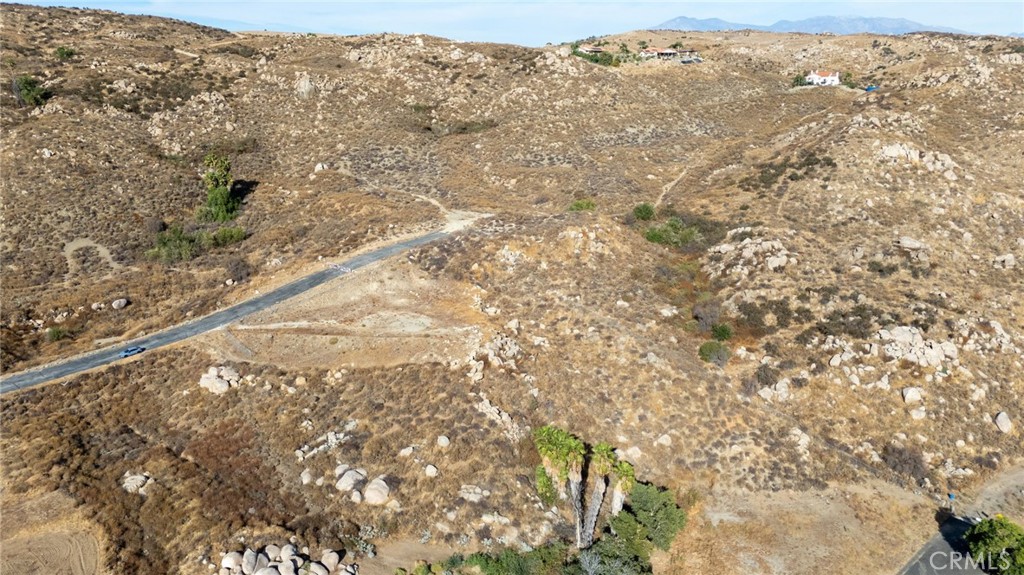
pixel 213 321
pixel 945 554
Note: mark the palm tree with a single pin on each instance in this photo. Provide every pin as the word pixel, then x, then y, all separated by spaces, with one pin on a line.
pixel 602 460
pixel 623 484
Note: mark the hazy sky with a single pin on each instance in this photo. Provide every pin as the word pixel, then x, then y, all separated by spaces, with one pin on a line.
pixel 537 22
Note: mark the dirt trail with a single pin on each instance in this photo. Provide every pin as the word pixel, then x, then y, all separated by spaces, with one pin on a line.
pixel 1004 493
pixel 78 243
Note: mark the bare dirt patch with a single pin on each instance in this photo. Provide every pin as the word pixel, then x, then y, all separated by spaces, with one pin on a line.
pixel 382 316
pixel 46 536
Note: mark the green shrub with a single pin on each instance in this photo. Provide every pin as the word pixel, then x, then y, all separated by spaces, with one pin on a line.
pixel 28 91
pixel 800 80
pixel 714 352
pixel 674 233
pixel 545 487
pixel 656 510
pixel 721 331
pixel 174 245
pixel 582 205
pixel 64 53
pixel 644 212
pixel 56 333
pixel 228 235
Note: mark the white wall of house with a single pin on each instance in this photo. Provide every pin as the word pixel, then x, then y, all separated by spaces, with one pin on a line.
pixel 830 80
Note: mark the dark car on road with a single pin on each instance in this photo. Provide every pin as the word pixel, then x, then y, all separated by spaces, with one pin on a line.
pixel 135 350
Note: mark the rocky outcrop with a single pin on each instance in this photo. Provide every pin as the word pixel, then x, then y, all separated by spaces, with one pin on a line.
pixel 284 560
pixel 218 380
pixel 907 343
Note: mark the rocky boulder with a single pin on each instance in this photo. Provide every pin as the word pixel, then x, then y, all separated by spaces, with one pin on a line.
pixel 119 303
pixel 213 384
pixel 1002 421
pixel 377 492
pixel 351 479
pixel 912 395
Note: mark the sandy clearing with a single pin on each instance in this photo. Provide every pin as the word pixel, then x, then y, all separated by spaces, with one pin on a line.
pixel 45 535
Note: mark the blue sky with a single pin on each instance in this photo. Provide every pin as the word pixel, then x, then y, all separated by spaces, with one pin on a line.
pixel 537 22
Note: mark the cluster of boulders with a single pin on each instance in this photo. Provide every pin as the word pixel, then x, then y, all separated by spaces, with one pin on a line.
pixel 915 249
pixel 584 240
pixel 560 61
pixel 353 481
pixel 218 380
pixel 325 442
pixel 501 352
pixel 908 344
pixel 1004 262
pixel 119 303
pixel 510 428
pixel 984 336
pixel 776 392
pixel 751 253
pixel 284 560
pixel 932 161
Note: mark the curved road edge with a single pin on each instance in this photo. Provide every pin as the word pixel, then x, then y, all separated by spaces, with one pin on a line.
pixel 94 359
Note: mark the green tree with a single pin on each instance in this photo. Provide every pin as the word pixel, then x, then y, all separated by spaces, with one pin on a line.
pixel 657 511
pixel 800 80
pixel 623 482
pixel 602 460
pixel 990 538
pixel 563 457
pixel 29 92
pixel 847 80
pixel 221 204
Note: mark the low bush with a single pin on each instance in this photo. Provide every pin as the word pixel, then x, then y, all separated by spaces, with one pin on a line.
pixel 707 313
pixel 545 487
pixel 674 233
pixel 175 245
pixel 766 375
pixel 582 205
pixel 714 352
pixel 907 461
pixel 56 333
pixel 721 331
pixel 64 53
pixel 644 212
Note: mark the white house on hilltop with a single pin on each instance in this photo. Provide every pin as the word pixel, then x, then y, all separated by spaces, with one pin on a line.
pixel 823 78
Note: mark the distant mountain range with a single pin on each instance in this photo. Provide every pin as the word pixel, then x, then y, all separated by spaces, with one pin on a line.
pixel 831 24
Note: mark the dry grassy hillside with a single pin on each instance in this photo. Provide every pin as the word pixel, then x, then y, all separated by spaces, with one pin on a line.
pixel 862 248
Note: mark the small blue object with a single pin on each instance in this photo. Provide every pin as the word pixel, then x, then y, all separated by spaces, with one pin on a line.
pixel 871 88
pixel 952 497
